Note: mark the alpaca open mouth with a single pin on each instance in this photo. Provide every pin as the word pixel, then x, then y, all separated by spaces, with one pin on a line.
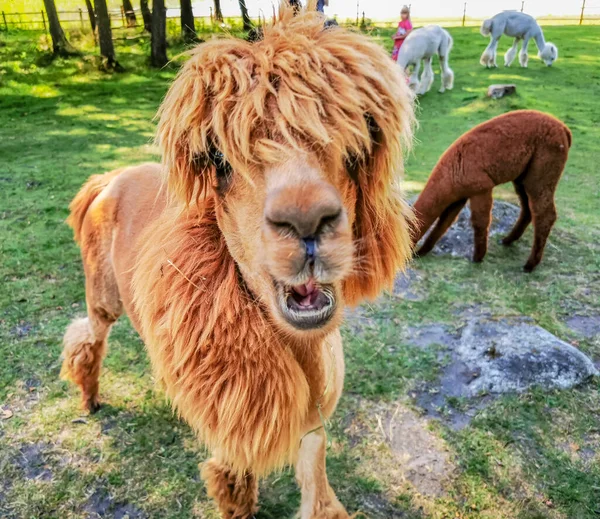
pixel 306 306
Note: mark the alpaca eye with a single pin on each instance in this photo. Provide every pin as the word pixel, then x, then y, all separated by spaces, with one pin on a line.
pixel 353 167
pixel 223 170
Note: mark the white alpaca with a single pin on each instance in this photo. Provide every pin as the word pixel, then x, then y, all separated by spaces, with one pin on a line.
pixel 422 44
pixel 519 26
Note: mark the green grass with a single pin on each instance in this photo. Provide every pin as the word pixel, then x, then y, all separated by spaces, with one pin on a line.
pixel 519 458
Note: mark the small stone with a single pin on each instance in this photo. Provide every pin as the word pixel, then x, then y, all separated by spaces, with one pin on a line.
pixel 498 91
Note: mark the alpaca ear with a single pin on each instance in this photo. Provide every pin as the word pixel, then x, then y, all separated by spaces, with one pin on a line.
pixel 183 134
pixel 381 226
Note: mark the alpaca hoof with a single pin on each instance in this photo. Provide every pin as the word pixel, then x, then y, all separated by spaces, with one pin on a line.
pixel 528 268
pixel 92 405
pixel 441 90
pixel 505 242
pixel 477 260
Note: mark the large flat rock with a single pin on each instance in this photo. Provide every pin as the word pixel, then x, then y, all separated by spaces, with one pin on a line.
pixel 513 355
pixel 487 357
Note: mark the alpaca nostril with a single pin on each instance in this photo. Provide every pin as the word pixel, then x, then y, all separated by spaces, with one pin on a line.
pixel 310 245
pixel 304 224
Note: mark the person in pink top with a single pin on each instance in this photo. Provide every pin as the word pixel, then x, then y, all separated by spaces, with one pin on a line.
pixel 404 28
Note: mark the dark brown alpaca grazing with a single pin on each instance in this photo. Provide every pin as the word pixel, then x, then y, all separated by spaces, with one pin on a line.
pixel 525 147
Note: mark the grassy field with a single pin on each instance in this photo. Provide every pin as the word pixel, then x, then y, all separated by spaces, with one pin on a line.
pixel 521 457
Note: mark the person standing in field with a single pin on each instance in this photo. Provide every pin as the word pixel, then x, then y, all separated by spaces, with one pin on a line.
pixel 321 5
pixel 404 28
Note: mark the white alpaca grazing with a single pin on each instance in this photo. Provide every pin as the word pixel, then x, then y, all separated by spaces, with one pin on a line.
pixel 422 44
pixel 519 26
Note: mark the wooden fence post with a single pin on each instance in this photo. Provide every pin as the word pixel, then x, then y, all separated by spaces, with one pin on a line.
pixel 81 17
pixel 522 5
pixel 464 14
pixel 44 20
pixel 5 22
pixel 582 9
pixel 122 16
pixel 211 16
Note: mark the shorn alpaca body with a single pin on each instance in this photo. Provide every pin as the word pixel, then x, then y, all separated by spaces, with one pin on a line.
pixel 421 45
pixel 280 160
pixel 525 147
pixel 521 27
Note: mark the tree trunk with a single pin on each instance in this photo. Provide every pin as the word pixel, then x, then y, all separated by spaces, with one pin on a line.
pixel 107 49
pixel 218 12
pixel 129 13
pixel 188 30
pixel 146 15
pixel 60 45
pixel 158 54
pixel 245 16
pixel 91 14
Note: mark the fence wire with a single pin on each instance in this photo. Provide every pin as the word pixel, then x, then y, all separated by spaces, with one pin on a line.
pixel 79 19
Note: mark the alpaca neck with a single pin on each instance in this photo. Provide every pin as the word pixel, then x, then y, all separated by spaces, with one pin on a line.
pixel 540 41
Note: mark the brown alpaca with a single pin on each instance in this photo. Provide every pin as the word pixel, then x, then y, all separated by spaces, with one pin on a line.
pixel 525 147
pixel 280 160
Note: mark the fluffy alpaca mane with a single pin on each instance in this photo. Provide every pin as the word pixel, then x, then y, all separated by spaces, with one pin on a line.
pixel 224 367
pixel 302 87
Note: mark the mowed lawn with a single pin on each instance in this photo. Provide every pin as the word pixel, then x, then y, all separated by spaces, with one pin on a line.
pixel 521 457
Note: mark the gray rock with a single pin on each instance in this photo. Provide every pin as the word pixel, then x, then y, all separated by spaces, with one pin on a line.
pixel 511 355
pixel 488 357
pixel 498 91
pixel 458 240
pixel 587 326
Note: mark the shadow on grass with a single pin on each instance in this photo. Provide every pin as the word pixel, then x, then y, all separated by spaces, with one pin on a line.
pixel 153 449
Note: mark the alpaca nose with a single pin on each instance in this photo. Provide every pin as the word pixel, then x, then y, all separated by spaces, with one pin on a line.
pixel 304 210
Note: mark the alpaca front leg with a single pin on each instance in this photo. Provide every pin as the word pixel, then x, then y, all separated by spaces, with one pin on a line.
pixel 511 53
pixel 447 75
pixel 544 217
pixel 427 78
pixel 481 217
pixel 488 58
pixel 523 56
pixel 236 495
pixel 318 499
pixel 413 80
pixel 84 348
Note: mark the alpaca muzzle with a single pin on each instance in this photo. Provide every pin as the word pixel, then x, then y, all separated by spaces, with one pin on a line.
pixel 306 306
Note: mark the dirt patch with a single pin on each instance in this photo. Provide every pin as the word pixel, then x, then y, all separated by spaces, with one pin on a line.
pixel 33 460
pixel 458 240
pixel 358 320
pixel 587 326
pixel 23 329
pixel 586 452
pixel 101 504
pixel 374 505
pixel 399 447
pixel 407 285
pixel 424 457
